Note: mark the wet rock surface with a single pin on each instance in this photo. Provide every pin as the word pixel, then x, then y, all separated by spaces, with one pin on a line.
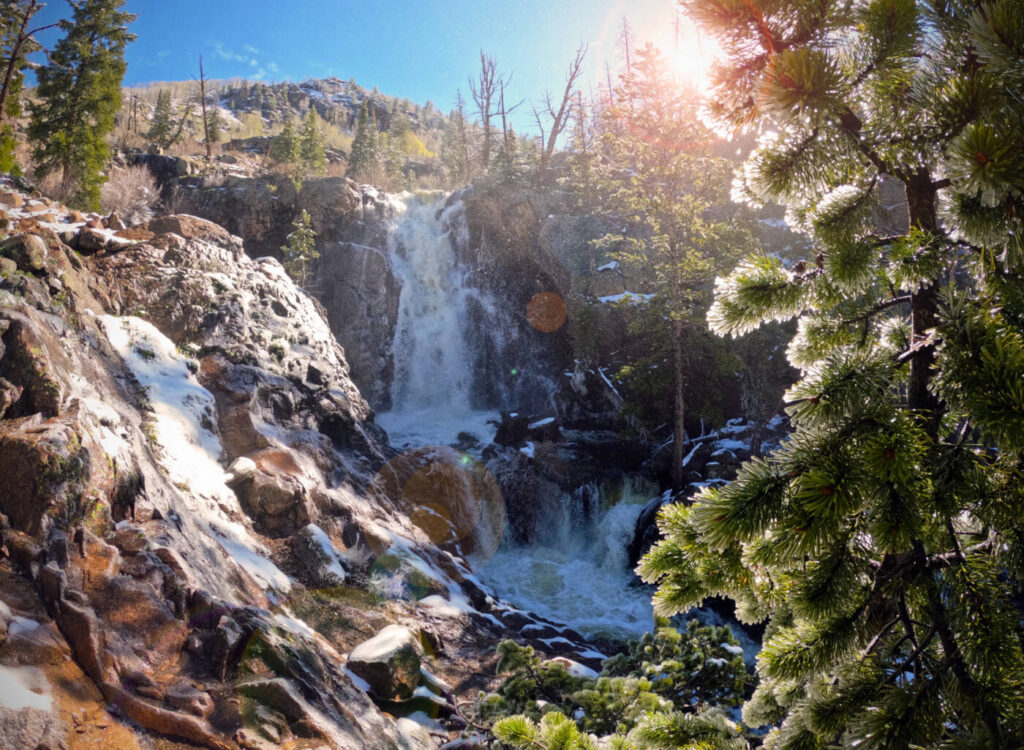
pixel 176 420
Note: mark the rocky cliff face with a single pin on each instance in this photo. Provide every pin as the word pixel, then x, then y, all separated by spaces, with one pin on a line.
pixel 200 517
pixel 512 249
pixel 353 280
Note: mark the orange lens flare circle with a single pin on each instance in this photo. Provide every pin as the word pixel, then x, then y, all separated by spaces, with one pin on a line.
pixel 546 312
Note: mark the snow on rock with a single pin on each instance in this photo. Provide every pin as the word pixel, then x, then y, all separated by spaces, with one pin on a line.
pixel 633 298
pixel 323 557
pixel 730 444
pixel 183 430
pixel 21 625
pixel 24 687
pixel 388 662
pixel 575 668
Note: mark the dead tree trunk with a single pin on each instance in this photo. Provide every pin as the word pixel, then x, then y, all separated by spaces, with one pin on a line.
pixel 202 102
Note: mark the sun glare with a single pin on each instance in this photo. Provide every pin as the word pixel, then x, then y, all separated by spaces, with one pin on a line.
pixel 691 53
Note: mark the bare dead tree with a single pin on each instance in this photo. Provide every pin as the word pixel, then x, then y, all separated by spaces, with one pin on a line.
pixel 463 133
pixel 625 41
pixel 202 103
pixel 504 111
pixel 484 91
pixel 560 117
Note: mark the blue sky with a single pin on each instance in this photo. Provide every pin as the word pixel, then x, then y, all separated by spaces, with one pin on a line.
pixel 422 50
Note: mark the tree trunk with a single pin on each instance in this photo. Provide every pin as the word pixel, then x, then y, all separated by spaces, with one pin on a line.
pixel 679 410
pixel 924 307
pixel 202 101
pixel 15 57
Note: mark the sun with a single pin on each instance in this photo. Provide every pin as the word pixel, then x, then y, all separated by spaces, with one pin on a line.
pixel 690 53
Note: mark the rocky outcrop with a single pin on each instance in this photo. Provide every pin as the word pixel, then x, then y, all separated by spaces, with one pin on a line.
pixel 711 460
pixel 190 499
pixel 389 663
pixel 586 400
pixel 353 279
pixel 360 294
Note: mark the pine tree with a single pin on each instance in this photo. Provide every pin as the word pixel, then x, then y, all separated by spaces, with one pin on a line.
pixel 161 124
pixel 883 540
pixel 300 249
pixel 311 145
pixel 215 124
pixel 285 147
pixel 79 95
pixel 8 141
pixel 363 154
pixel 17 41
pixel 398 136
pixel 667 691
pixel 455 148
pixel 658 173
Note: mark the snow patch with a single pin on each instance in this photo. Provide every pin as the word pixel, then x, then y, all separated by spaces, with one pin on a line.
pixel 319 536
pixel 390 639
pixel 183 429
pixel 24 687
pixel 21 625
pixel 633 298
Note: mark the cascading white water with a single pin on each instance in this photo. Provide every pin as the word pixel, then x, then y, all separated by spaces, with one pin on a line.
pixel 434 367
pixel 578 572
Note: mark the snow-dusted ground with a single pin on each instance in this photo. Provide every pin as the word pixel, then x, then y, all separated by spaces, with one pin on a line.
pixel 24 687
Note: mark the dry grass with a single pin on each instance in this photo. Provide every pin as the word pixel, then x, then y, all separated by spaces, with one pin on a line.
pixel 53 186
pixel 131 192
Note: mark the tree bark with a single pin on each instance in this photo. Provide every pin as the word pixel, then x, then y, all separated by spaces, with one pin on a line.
pixel 924 306
pixel 15 56
pixel 679 372
pixel 483 95
pixel 560 118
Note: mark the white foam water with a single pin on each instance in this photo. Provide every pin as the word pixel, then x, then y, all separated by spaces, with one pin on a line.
pixel 580 577
pixel 432 387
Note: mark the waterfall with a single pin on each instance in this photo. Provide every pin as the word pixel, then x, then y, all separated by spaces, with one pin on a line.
pixel 433 348
pixel 460 354
pixel 577 571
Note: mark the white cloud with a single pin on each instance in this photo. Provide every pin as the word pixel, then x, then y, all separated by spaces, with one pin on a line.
pixel 250 59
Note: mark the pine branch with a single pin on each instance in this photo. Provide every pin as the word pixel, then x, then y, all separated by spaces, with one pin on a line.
pixel 914 656
pixel 852 126
pixel 875 309
pixel 951 648
pixel 873 643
